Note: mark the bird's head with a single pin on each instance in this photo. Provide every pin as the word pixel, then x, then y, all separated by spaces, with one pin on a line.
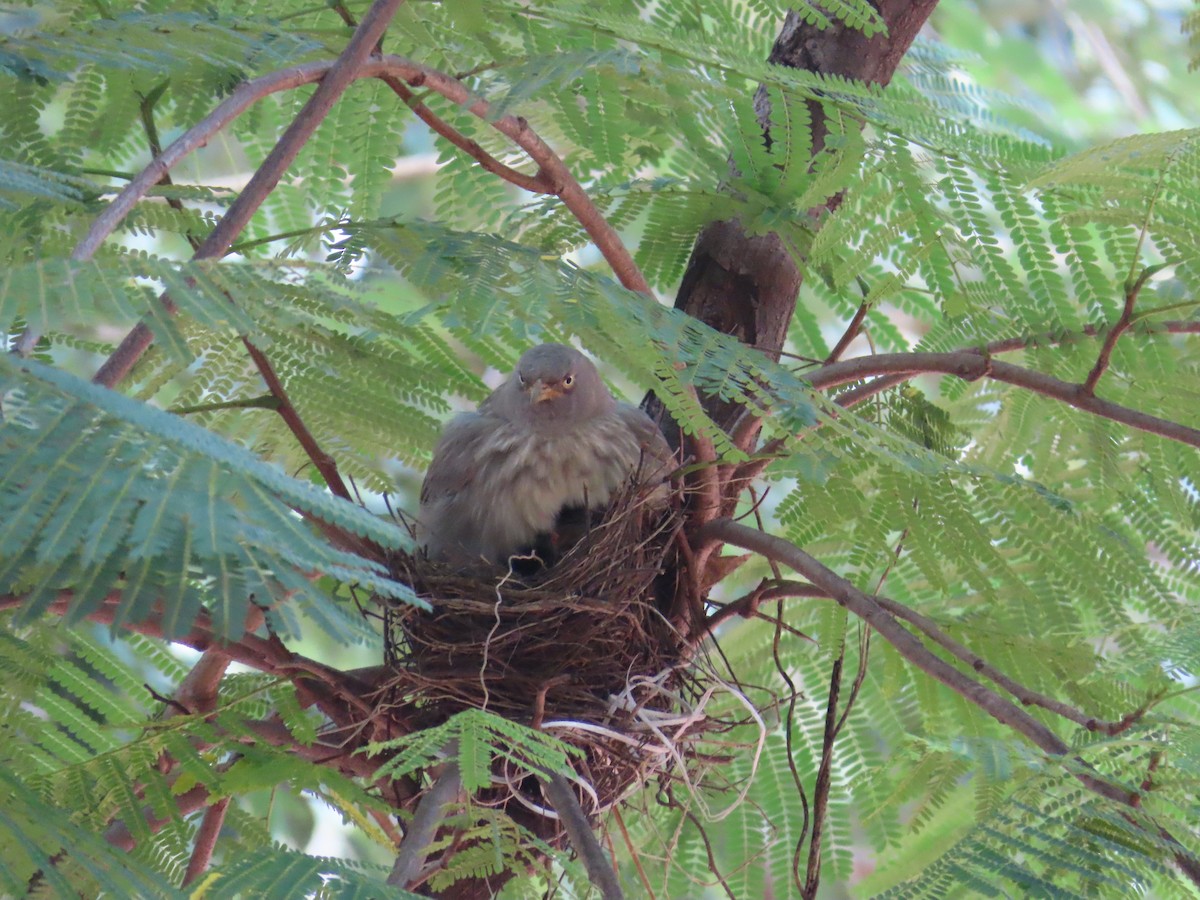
pixel 556 383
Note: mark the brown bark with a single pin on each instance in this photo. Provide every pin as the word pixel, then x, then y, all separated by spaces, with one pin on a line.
pixel 747 285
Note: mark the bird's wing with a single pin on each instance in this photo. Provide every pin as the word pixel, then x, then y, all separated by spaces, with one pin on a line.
pixel 658 460
pixel 456 456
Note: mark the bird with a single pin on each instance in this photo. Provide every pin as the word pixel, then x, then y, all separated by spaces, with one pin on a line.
pixel 551 438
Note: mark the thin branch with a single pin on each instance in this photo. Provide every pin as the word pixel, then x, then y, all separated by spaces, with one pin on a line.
pixel 410 859
pixel 325 463
pixel 333 84
pixel 849 334
pixel 869 610
pixel 1027 697
pixel 1108 58
pixel 847 399
pixel 321 753
pixel 553 177
pixel 708 850
pixel 812 876
pixel 864 392
pixel 633 853
pixel 146 108
pixel 789 731
pixel 747 606
pixel 119 835
pixel 1110 341
pixel 794 632
pixel 832 730
pixel 206 840
pixel 275 733
pixel 583 839
pixel 860 677
pixel 553 174
pixel 535 184
pixel 198 693
pixel 971 366
pixel 265 401
pixel 243 97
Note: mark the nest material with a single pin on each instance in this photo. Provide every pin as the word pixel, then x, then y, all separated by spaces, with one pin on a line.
pixel 582 649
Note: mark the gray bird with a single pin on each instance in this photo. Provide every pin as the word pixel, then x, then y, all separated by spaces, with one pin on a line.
pixel 550 438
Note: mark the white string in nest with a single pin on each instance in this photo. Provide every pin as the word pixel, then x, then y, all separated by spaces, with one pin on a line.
pixel 654 722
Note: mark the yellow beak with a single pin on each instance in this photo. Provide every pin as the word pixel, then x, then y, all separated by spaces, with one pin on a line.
pixel 541 391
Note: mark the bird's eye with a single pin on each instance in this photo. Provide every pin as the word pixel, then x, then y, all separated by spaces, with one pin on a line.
pixel 520 379
pixel 569 381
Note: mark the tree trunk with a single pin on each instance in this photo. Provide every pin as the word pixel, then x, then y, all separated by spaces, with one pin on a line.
pixel 747 285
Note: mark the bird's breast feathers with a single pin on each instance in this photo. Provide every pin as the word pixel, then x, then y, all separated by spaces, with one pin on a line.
pixel 575 467
pixel 497 484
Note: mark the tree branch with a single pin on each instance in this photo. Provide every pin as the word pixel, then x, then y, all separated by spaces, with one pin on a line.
pixel 849 334
pixel 243 97
pixel 338 695
pixel 325 463
pixel 553 176
pixel 857 395
pixel 535 184
pixel 120 836
pixel 1027 697
pixel 812 876
pixel 206 840
pixel 410 859
pixel 748 471
pixel 333 84
pixel 146 108
pixel 551 168
pixel 1110 342
pixel 747 606
pixel 158 172
pixel 869 610
pixel 599 867
pixel 344 759
pixel 971 365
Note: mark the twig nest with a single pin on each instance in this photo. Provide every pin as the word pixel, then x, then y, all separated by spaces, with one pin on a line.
pixel 582 649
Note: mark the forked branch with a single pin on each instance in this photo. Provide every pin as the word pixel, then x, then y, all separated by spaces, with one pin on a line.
pixel 870 611
pixel 1110 340
pixel 971 366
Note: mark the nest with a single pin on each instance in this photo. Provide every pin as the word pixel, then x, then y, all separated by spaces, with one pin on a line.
pixel 583 650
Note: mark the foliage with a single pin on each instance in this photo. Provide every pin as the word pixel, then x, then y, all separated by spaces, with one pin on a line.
pixel 478 739
pixel 1060 546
